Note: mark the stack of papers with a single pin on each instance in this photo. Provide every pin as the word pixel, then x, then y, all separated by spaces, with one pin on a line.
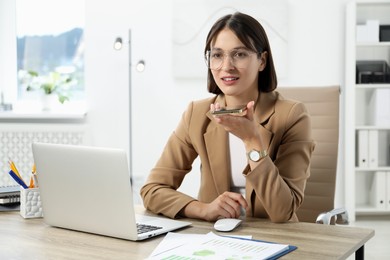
pixel 212 246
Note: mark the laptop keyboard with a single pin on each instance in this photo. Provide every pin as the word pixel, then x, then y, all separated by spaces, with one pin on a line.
pixel 143 228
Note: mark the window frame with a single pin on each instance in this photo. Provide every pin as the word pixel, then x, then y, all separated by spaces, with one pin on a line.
pixel 8 62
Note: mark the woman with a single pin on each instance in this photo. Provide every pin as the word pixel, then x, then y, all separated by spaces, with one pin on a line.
pixel 257 161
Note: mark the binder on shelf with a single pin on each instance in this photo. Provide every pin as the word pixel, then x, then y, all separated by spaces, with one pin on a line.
pixel 378 191
pixel 362 148
pixel 384 148
pixel 388 190
pixel 373 148
pixel 379 108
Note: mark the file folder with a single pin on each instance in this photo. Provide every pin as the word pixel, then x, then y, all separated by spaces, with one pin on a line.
pixel 373 148
pixel 362 148
pixel 378 190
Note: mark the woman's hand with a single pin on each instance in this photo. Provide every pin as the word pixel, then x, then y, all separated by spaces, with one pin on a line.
pixel 226 205
pixel 244 126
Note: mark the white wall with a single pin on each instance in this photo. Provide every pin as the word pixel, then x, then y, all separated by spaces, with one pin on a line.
pixel 315 57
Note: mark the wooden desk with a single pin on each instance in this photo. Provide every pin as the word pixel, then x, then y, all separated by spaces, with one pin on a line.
pixel 33 239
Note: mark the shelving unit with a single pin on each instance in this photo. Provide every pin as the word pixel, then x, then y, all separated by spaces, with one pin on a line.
pixel 367 117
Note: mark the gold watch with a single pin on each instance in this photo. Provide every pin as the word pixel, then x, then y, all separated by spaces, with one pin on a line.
pixel 255 155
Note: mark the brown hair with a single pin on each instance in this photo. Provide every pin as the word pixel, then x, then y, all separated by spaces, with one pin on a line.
pixel 253 36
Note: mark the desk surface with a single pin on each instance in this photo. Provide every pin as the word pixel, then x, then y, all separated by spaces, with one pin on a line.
pixel 33 239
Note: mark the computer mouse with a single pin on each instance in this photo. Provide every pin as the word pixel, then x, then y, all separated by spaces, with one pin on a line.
pixel 227 224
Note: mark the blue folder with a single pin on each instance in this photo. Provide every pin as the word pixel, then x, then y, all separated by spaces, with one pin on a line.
pixel 285 252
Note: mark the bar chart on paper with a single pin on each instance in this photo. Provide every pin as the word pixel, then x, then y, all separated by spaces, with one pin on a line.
pixel 212 246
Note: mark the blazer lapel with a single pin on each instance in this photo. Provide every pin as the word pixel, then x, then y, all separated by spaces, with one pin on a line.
pixel 216 139
pixel 265 108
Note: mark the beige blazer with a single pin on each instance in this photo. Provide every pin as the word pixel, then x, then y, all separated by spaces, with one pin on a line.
pixel 274 189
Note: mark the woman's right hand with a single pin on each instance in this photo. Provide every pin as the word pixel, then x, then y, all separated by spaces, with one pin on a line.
pixel 226 205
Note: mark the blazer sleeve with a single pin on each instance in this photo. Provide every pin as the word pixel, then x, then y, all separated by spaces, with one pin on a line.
pixel 159 193
pixel 278 181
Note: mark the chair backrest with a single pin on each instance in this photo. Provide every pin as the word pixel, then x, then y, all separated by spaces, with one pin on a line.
pixel 322 104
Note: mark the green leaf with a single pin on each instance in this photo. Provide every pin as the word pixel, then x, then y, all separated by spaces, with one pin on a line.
pixel 33 73
pixel 48 88
pixel 63 98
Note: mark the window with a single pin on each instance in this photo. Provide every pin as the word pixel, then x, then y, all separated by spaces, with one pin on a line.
pixel 49 38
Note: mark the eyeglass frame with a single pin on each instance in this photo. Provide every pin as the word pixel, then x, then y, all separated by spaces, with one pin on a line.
pixel 228 54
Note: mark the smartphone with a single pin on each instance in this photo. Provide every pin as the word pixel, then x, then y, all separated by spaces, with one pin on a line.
pixel 230 111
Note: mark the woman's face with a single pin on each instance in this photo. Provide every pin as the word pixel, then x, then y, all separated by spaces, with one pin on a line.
pixel 236 76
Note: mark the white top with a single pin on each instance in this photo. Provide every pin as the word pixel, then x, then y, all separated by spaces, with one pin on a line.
pixel 238 161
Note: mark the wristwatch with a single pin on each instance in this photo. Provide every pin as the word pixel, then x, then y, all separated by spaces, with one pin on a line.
pixel 255 155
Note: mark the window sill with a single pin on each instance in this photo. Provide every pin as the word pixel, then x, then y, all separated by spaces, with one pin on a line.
pixel 43 115
pixel 70 111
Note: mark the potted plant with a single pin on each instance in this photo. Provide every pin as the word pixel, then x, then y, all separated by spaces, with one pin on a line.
pixel 53 83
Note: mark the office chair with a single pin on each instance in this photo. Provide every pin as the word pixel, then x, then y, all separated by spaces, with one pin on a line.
pixel 322 104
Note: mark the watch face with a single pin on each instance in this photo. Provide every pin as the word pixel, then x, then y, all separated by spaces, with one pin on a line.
pixel 254 155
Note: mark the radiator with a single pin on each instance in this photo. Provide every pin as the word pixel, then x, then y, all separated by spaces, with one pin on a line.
pixel 16 140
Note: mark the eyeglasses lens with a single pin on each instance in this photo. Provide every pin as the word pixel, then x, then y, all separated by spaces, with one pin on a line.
pixel 215 59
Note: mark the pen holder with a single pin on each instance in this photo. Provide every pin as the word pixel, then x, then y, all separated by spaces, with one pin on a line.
pixel 30 203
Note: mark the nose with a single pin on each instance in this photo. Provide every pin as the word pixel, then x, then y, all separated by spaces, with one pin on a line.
pixel 227 63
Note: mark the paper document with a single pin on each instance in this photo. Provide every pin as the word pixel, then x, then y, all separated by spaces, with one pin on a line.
pixel 212 246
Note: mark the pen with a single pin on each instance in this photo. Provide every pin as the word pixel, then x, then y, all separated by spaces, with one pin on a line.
pixel 17 179
pixel 16 175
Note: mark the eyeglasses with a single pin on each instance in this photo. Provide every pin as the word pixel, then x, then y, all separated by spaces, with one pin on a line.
pixel 239 58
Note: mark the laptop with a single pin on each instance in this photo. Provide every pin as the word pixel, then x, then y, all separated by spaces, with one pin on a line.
pixel 88 189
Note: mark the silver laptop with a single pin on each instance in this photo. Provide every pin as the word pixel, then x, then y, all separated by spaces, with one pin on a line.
pixel 88 189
